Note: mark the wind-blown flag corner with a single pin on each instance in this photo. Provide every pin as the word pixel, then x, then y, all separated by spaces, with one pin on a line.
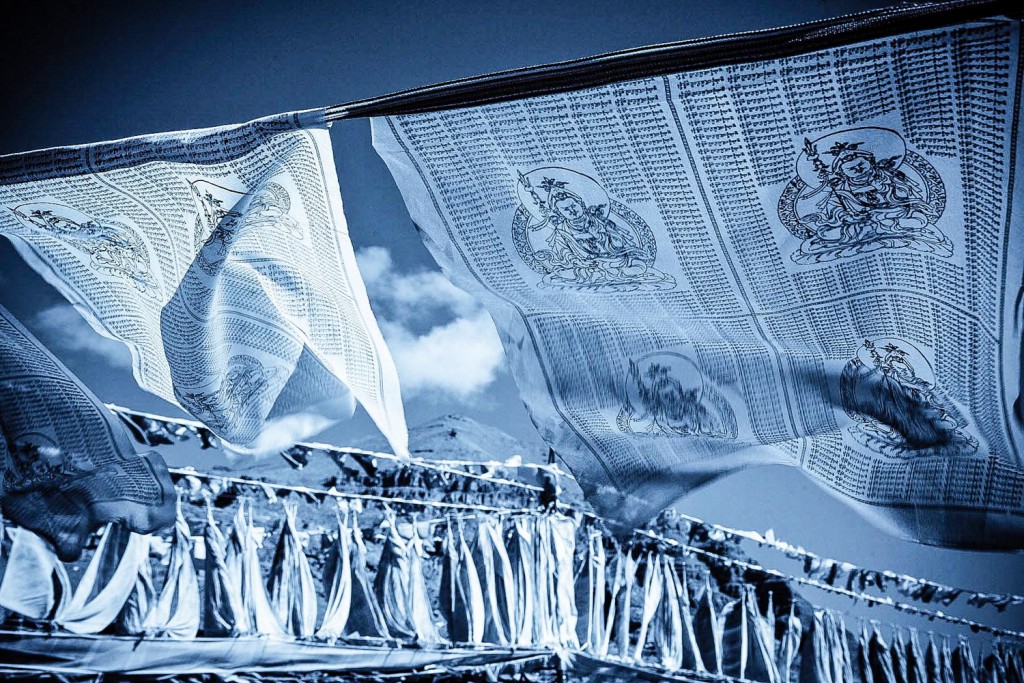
pixel 221 257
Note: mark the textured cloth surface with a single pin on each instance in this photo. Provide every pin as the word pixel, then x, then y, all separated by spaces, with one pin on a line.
pixel 221 258
pixel 812 260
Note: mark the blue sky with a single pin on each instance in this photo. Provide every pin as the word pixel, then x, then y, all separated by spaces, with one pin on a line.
pixel 93 71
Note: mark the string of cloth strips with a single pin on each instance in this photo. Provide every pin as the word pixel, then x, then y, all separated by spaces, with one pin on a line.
pixel 828 573
pixel 512 584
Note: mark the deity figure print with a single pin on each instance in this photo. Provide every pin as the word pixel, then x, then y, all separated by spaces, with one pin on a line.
pixel 236 406
pixel 666 394
pixel 890 391
pixel 31 459
pixel 224 213
pixel 861 190
pixel 567 229
pixel 114 248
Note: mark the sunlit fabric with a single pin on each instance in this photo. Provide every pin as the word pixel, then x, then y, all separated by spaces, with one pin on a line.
pixel 221 258
pixel 243 563
pixel 812 260
pixel 223 614
pixel 132 617
pixel 461 595
pixel 915 660
pixel 35 583
pixel 337 583
pixel 789 647
pixel 668 627
pixel 591 594
pixel 66 464
pixel 745 652
pixel 497 582
pixel 108 581
pixel 707 625
pixel 400 585
pixel 366 616
pixel 291 587
pixel 176 611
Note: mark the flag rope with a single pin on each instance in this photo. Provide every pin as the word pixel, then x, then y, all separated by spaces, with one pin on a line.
pixel 878 577
pixel 736 534
pixel 321 494
pixel 854 595
pixel 443 466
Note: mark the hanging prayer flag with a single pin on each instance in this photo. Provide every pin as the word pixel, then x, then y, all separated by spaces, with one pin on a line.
pixel 799 246
pixel 221 258
pixel 66 464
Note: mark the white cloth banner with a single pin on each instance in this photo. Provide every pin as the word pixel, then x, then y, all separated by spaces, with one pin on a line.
pixel 812 260
pixel 221 258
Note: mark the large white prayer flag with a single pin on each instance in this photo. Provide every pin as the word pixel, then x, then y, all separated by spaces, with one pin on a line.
pixel 222 259
pixel 802 246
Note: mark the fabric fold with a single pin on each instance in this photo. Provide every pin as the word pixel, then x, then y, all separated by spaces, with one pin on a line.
pixel 400 585
pixel 35 583
pixel 461 595
pixel 366 615
pixel 522 554
pixel 708 629
pixel 243 562
pixel 563 546
pixel 653 592
pixel 668 630
pixel 175 613
pixel 141 601
pixel 789 646
pixel 337 582
pixel 223 612
pixel 498 581
pixel 108 580
pixel 292 592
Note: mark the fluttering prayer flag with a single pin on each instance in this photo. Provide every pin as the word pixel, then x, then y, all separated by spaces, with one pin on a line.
pixel 800 246
pixel 67 466
pixel 221 258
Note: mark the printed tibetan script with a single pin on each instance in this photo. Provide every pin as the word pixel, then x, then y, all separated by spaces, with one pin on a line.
pixel 221 257
pixel 811 261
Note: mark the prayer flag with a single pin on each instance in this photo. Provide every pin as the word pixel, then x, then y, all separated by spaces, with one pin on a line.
pixel 800 246
pixel 67 464
pixel 221 258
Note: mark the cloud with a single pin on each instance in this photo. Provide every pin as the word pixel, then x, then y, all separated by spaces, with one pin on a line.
pixel 442 340
pixel 63 329
pixel 459 358
pixel 410 296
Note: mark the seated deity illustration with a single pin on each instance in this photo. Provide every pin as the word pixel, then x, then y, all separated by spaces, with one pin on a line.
pixel 236 406
pixel 666 394
pixel 225 213
pixel 113 247
pixel 889 389
pixel 862 190
pixel 570 231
